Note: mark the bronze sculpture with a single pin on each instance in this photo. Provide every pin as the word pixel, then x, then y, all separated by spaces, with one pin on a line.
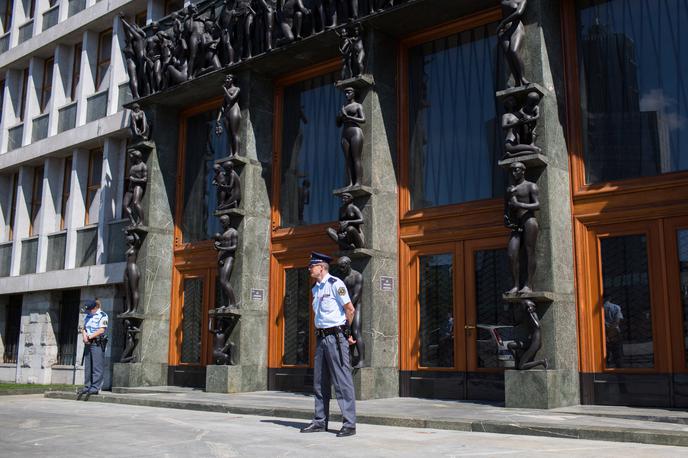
pixel 132 331
pixel 351 8
pixel 521 202
pixel 228 186
pixel 138 177
pixel 226 245
pixel 511 33
pixel 242 23
pixel 350 119
pixel 230 115
pixel 380 5
pixel 291 20
pixel 131 272
pixel 138 124
pixel 153 58
pixel 224 23
pixel 525 350
pixel 223 348
pixel 349 236
pixel 353 52
pixel 135 39
pixel 519 125
pixel 354 284
pixel 268 12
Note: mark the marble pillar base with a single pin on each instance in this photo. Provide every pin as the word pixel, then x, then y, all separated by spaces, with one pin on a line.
pixel 376 383
pixel 126 374
pixel 541 389
pixel 223 379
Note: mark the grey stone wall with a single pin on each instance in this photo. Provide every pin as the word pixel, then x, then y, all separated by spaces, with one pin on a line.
pixel 37 338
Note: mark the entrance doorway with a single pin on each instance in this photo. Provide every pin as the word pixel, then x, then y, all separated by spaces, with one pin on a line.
pixel 452 317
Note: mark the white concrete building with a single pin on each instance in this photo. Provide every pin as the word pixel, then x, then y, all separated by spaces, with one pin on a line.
pixel 63 139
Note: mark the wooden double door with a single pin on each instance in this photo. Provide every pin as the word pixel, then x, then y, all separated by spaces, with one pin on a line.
pixel 451 312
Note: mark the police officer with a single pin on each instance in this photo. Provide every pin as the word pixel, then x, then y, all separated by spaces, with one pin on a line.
pixel 95 339
pixel 333 314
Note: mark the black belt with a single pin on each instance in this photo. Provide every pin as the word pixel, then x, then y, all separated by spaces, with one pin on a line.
pixel 330 331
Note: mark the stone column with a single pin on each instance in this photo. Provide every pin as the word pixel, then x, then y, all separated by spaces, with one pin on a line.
pixel 250 277
pixel 559 384
pixel 155 258
pixel 37 340
pixel 378 200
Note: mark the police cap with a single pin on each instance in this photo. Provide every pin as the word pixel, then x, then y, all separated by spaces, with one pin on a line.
pixel 317 258
pixel 90 305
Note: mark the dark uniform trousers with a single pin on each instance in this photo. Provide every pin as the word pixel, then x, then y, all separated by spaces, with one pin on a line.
pixel 94 360
pixel 332 365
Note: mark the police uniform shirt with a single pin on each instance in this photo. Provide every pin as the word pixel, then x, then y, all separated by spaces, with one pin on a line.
pixel 329 297
pixel 95 321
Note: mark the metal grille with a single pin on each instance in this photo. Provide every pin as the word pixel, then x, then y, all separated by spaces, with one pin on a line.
pixel 455 135
pixel 68 327
pixel 625 281
pixel 436 297
pixel 12 329
pixel 297 309
pixel 192 317
pixel 492 278
pixel 311 152
pixel 682 237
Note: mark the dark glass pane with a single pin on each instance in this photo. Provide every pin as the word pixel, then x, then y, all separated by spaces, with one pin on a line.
pixel 12 328
pixel 192 318
pixel 203 148
pixel 312 158
pixel 68 327
pixel 682 237
pixel 626 303
pixel 454 133
pixel 297 308
pixel 492 278
pixel 436 297
pixel 633 67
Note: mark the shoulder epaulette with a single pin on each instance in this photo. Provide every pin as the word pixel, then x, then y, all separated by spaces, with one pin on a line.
pixel 332 280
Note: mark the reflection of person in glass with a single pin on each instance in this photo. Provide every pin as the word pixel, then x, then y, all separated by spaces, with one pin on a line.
pixel 445 348
pixel 612 332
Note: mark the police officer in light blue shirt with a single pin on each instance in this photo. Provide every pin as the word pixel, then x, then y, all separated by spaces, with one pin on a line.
pixel 94 335
pixel 333 314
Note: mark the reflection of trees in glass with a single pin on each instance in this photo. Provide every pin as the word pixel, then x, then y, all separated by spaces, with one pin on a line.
pixel 625 282
pixel 436 298
pixel 310 152
pixel 454 134
pixel 203 148
pixel 296 308
pixel 634 102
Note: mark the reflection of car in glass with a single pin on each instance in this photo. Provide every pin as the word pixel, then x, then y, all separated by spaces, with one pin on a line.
pixel 492 345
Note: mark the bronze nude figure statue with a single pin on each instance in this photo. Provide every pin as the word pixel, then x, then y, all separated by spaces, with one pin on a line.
pixel 353 52
pixel 519 125
pixel 138 178
pixel 349 236
pixel 132 326
pixel 354 283
pixel 521 202
pixel 226 245
pixel 131 272
pixel 223 347
pixel 228 186
pixel 510 33
pixel 350 119
pixel 291 20
pixel 138 123
pixel 230 115
pixel 525 350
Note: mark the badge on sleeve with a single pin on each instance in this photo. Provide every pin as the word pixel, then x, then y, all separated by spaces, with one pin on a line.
pixel 341 291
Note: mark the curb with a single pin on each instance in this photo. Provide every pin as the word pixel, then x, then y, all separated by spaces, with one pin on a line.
pixel 635 435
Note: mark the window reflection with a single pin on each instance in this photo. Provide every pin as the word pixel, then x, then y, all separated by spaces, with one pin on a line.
pixel 626 302
pixel 454 135
pixel 297 308
pixel 633 62
pixel 203 148
pixel 312 159
pixel 436 297
pixel 682 238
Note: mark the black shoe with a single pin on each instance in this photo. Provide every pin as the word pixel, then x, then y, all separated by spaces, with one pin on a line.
pixel 313 428
pixel 80 393
pixel 346 431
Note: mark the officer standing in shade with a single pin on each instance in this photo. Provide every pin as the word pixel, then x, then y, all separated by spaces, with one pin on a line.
pixel 95 340
pixel 333 315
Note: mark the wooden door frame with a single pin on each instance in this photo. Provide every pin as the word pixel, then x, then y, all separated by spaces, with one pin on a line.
pixel 671 227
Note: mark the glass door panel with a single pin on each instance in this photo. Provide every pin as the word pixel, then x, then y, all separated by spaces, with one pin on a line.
pixel 626 302
pixel 297 317
pixel 436 310
pixel 682 242
pixel 192 321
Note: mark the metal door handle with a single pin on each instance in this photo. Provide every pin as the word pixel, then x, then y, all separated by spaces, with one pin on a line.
pixel 468 326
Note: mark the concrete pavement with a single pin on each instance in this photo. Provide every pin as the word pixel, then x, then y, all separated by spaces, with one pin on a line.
pixel 37 426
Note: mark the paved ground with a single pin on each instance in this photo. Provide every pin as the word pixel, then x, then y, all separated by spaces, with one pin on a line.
pixel 36 426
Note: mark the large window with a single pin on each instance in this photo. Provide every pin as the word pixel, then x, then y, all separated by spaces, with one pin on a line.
pixel 103 62
pixel 47 86
pixel 312 161
pixel 95 169
pixel 12 329
pixel 203 147
pixel 36 198
pixel 68 327
pixel 453 131
pixel 633 61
